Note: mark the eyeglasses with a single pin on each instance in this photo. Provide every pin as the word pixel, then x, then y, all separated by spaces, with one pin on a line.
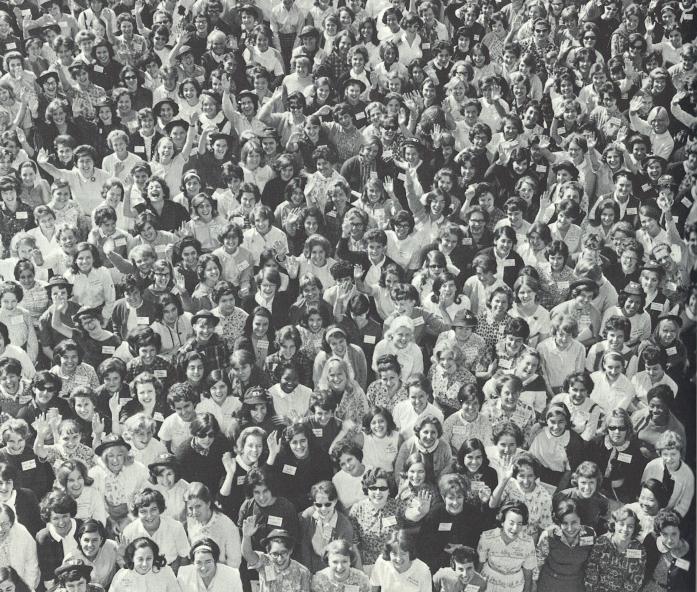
pixel 616 428
pixel 46 388
pixel 435 266
pixel 390 128
pixel 541 30
pixel 593 37
pixel 130 78
pixel 208 434
pixel 323 505
pixel 378 488
pixel 356 224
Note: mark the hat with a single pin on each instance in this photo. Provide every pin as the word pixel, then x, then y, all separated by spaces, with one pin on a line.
pixel 659 72
pixel 654 157
pixel 255 396
pixel 189 174
pixel 464 318
pixel 163 460
pixel 335 329
pixel 666 181
pixel 653 266
pixel 565 165
pixel 587 284
pixel 77 64
pixel 87 311
pixel 74 564
pixel 633 288
pixel 110 441
pixel 278 533
pixel 219 136
pixel 205 314
pixel 176 123
pixel 58 281
pixel 248 94
pixel 268 132
pixel 250 9
pixel 157 106
pixel 414 143
pixel 309 31
pixel 350 81
pixel 671 317
pixel 46 75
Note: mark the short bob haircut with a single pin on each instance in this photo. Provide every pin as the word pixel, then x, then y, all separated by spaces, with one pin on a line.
pixel 513 506
pixel 205 545
pixel 666 518
pixel 428 419
pixel 159 561
pixel 64 347
pixel 325 487
pixel 57 502
pixel 623 513
pixel 65 468
pixel 508 428
pixel 371 477
pixel 146 497
pixel 384 413
pixel 260 477
pixel 588 470
pixel 669 440
pixel 400 540
pixel 347 447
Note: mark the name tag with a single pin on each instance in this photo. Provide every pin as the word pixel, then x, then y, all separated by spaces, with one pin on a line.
pixel 614 121
pixel 471 588
pixel 633 553
pixel 586 541
pixel 318 432
pixel 467 241
pixel 139 149
pixel 445 526
pixel 263 344
pixel 505 363
pixel 360 116
pixel 269 573
pixel 387 154
pixel 108 349
pixel 425 46
pixel 584 320
pixel 28 465
pixel 157 416
pixel 508 263
pixel 369 339
pixel 475 37
pixel 11 46
pixel 687 17
pixel 623 457
pixel 240 480
pixel 160 248
pixel 563 285
pixel 21 215
pixel 656 306
pixel 351 588
pixel 331 214
pixel 477 486
pixel 120 242
pixel 672 286
pixel 143 320
pixel 98 69
pixel 682 563
pixel 289 470
pixel 242 266
pixel 274 521
pixel 402 177
pixel 561 130
pixel 160 373
pixel 631 211
pixel 389 521
pixel 82 380
pixel 672 351
pixel 540 168
pixel 459 430
pixel 645 187
pixel 418 321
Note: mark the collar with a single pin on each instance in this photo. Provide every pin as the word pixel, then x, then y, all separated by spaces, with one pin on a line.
pixel 54 533
pixel 332 521
pixel 608 445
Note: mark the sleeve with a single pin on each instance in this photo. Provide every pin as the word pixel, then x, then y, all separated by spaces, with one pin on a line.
pixel 530 561
pixel 684 502
pixel 181 540
pixel 31 562
pixel 109 294
pixel 592 577
pixel 233 547
pixel 542 549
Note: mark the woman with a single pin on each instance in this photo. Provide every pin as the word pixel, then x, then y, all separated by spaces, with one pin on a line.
pixel 169 216
pixel 651 422
pixel 144 569
pixel 494 319
pixel 378 503
pixel 666 336
pixel 297 463
pixel 507 553
pixel 17 452
pixel 12 580
pixel 35 299
pixel 22 500
pixel 57 540
pixel 336 379
pixel 206 571
pixel 97 550
pixel 23 556
pixel 70 368
pixel 168 533
pixel 580 306
pixel 508 262
pixel 617 561
pixel 320 524
pixel 463 520
pixel 201 455
pixel 92 282
pixel 669 561
pixel 172 324
pixel 208 271
pixel 426 440
pixel 557 276
pixel 563 550
pixel 527 292
pixel 619 457
pixel 269 295
pixel 653 498
pixel 204 520
pixel 388 389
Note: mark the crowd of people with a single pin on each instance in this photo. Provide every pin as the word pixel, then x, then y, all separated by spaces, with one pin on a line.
pixel 383 296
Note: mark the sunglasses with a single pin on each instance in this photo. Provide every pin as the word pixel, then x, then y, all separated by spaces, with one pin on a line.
pixel 130 78
pixel 209 434
pixel 616 428
pixel 323 505
pixel 378 488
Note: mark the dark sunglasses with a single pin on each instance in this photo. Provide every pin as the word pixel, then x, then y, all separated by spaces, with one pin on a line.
pixel 323 505
pixel 616 428
pixel 377 488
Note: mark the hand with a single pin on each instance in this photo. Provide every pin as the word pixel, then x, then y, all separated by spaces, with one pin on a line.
pixel 592 140
pixel 678 97
pixel 179 280
pixel 97 425
pixel 436 133
pixel 114 404
pixel 274 444
pixel 358 272
pixel 119 167
pixel 544 142
pixel 622 135
pixel 54 419
pixel 292 265
pixel 41 426
pixel 139 6
pixel 194 118
pixel 37 257
pixel 635 105
pixel 226 83
pixel 388 184
pixel 323 111
pixel 649 24
pixel 128 182
pixel 249 527
pixel 229 463
pixel 108 246
pixel 42 156
pixel 425 498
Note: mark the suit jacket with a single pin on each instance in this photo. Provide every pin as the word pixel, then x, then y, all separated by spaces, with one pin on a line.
pixel 138 147
pixel 510 274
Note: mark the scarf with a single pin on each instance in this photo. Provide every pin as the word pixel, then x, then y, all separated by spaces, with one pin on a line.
pixel 323 532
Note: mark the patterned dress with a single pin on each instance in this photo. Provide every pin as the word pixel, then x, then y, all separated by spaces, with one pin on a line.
pixel 610 571
pixel 503 563
pixel 371 527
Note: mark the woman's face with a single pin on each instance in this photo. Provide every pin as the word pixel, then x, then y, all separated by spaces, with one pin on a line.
pixel 198 510
pixel 378 493
pixel 587 486
pixel 506 446
pixel 258 412
pixel 195 371
pixel 499 305
pixel 166 477
pixel 557 425
pixel 14 443
pixel 61 522
pixel 658 411
pixel 418 399
pixel 428 435
pixel 155 190
pixel 512 525
pixel 300 446
pixel 570 525
pixel 503 246
pixel 402 337
pixel 624 529
pixel 473 460
pixel 648 502
pixel 260 326
pixel 205 564
pixel 252 449
pixel 149 516
pixel 526 478
pixel 143 560
pixel 613 369
pixel 338 345
pixel 667 332
pixel 454 503
pixel 90 543
pixel 69 361
pixel 336 377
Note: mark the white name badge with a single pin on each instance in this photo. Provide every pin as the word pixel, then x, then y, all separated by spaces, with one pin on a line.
pixel 160 373
pixel 240 480
pixel 505 363
pixel 585 541
pixel 108 349
pixel 631 211
pixel 467 241
pixel 369 339
pixel 623 457
pixel 157 416
pixel 269 573
pixel 672 351
pixel 143 320
pixel 387 154
pixel 274 521
pixel 687 17
pixel 561 131
pixel 425 46
pixel 540 168
pixel 476 486
pixel 139 149
pixel 11 46
pixel 390 521
pixel 615 121
pixel 645 187
pixel 682 563
pixel 471 588
pixel 445 526
pixel 563 285
pixel 263 344
pixel 633 553
pixel 21 215
pixel 318 432
pixel 289 470
pixel 28 465
pixel 360 116
pixel 418 321
pixel 120 242
pixel 351 588
pixel 656 306
pixel 98 69
pixel 402 177
pixel 242 266
pixel 508 263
